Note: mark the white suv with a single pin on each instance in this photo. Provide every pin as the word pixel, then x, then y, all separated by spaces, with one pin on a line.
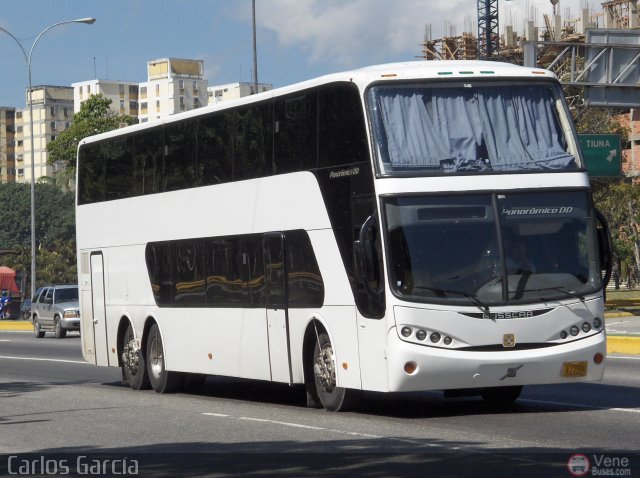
pixel 55 308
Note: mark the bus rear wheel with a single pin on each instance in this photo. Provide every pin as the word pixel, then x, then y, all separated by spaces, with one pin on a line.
pixel 162 381
pixel 331 397
pixel 134 369
pixel 501 395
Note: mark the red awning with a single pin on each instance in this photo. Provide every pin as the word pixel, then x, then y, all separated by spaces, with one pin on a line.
pixel 8 280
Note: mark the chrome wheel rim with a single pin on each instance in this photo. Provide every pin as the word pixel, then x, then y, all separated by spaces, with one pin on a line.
pixel 156 357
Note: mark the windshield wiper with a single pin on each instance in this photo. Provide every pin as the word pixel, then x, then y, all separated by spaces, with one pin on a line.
pixel 561 290
pixel 478 303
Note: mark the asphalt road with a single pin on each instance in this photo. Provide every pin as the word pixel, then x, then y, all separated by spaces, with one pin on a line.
pixel 52 403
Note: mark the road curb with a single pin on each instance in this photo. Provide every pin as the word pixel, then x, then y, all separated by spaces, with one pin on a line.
pixel 617 313
pixel 15 325
pixel 620 344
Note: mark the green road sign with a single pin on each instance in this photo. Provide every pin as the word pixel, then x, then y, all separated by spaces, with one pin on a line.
pixel 603 154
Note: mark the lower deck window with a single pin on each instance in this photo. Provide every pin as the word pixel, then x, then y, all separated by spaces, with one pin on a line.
pixel 234 271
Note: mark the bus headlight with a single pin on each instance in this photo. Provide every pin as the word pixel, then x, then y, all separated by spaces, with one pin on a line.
pixel 574 330
pixel 421 334
pixel 406 331
pixel 586 327
pixel 435 337
pixel 597 323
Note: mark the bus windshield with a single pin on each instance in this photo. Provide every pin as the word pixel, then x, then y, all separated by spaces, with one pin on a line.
pixel 491 249
pixel 472 127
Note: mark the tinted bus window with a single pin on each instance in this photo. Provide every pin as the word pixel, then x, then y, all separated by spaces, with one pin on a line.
pixel 148 160
pixel 190 274
pixel 119 171
pixel 215 148
pixel 254 142
pixel 342 137
pixel 295 133
pixel 91 173
pixel 180 161
pixel 304 282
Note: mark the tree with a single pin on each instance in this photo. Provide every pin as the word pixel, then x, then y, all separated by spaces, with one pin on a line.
pixel 619 201
pixel 55 216
pixel 595 120
pixel 55 231
pixel 95 116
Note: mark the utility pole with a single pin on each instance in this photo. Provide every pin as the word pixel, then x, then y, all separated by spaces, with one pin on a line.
pixel 255 52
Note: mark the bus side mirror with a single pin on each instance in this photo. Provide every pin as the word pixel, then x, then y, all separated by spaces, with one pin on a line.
pixel 605 247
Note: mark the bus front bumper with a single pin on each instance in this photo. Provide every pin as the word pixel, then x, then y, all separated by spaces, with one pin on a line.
pixel 414 367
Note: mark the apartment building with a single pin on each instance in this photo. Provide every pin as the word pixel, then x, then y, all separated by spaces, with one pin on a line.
pixel 173 85
pixel 52 113
pixel 7 145
pixel 123 94
pixel 233 91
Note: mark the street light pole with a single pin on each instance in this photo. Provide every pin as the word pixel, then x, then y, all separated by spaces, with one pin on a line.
pixel 27 58
pixel 255 50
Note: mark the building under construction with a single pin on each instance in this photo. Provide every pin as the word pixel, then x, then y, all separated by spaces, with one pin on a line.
pixel 621 14
pixel 509 46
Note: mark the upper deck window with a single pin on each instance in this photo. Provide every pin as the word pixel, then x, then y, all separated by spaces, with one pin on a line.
pixel 435 129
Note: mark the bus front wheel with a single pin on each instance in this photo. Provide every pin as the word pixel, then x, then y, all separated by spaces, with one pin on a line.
pixel 134 369
pixel 162 381
pixel 331 397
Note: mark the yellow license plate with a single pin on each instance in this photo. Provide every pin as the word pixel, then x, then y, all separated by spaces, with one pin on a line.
pixel 574 369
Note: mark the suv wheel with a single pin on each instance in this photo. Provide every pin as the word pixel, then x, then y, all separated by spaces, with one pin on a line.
pixel 59 332
pixel 37 330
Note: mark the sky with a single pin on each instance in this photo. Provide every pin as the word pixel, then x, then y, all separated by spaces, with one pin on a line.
pixel 296 39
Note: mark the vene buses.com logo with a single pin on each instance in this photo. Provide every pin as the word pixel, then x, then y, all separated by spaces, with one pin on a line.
pixel 578 465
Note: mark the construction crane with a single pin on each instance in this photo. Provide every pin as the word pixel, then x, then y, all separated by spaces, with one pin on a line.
pixel 488 34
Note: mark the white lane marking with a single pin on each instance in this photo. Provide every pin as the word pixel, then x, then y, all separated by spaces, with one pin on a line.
pixel 5 340
pixel 36 359
pixel 286 424
pixel 577 405
pixel 294 425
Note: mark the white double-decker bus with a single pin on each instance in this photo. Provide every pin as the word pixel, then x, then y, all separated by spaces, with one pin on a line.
pixel 402 227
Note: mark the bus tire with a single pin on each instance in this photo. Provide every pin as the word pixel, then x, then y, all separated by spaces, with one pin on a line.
pixel 134 368
pixel 501 395
pixel 162 381
pixel 331 397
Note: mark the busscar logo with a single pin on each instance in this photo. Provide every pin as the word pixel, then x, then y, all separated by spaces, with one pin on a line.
pixel 521 314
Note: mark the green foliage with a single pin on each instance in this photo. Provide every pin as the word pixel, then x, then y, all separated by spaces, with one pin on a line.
pixel 619 201
pixel 94 117
pixel 53 266
pixel 595 120
pixel 55 231
pixel 55 216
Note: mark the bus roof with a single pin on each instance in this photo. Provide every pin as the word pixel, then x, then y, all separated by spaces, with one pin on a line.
pixel 419 69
